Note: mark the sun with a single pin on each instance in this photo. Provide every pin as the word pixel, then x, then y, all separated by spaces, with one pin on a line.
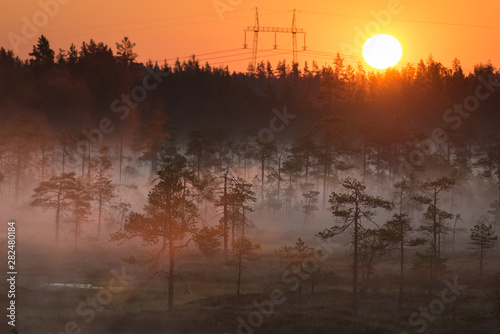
pixel 382 51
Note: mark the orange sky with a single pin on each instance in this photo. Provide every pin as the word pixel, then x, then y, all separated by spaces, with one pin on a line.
pixel 168 29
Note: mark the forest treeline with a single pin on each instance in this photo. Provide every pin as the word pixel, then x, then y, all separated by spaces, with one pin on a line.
pixel 421 118
pixel 76 87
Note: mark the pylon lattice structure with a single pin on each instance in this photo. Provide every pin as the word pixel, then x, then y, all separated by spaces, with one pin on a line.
pixel 257 28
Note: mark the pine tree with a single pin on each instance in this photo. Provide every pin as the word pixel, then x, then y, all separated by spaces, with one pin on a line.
pixel 302 261
pixel 398 232
pixel 169 220
pixel 489 160
pixel 102 188
pixel 309 204
pixel 436 218
pixel 244 251
pixel 482 238
pixel 56 194
pixel 43 55
pixel 80 198
pixel 351 208
pixel 125 52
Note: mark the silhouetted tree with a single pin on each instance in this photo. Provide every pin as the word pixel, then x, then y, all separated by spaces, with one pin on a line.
pixel 43 55
pixel 303 149
pixel 332 144
pixel 244 251
pixel 101 187
pixel 19 150
pixel 302 261
pixel 42 161
pixel 154 137
pixel 234 197
pixel 482 238
pixel 197 148
pixel 80 198
pixel 436 218
pixel 209 147
pixel 371 246
pixel 263 154
pixel 351 208
pixel 240 198
pixel 489 160
pixel 56 194
pixel 291 167
pixel 169 219
pixel 404 191
pixel 275 178
pixel 125 52
pixel 309 204
pixel 398 232
pixel 101 73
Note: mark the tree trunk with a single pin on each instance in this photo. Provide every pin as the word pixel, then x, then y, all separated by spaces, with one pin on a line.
pixel 43 162
pixel 63 157
pixel 355 269
pixel 299 292
pixel 121 158
pixel 481 254
pixel 324 190
pixel 83 164
pixel 245 168
pixel 401 264
pixel 239 274
pixel 232 234
pixel 439 242
pixel 99 215
pixel 225 218
pixel 58 211
pixel 244 220
pixel 77 230
pixel 364 157
pixel 170 277
pixel 454 230
pixel 279 179
pixel 89 165
pixel 262 167
pixel 307 168
pixel 53 164
pixel 434 235
pixel 18 169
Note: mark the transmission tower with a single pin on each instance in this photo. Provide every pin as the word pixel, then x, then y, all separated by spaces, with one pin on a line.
pixel 257 28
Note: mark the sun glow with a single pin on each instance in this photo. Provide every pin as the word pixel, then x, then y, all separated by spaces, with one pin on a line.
pixel 382 51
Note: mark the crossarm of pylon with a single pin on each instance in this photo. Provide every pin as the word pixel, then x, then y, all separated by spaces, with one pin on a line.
pixel 276 29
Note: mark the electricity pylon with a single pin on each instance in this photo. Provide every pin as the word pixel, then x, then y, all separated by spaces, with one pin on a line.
pixel 257 28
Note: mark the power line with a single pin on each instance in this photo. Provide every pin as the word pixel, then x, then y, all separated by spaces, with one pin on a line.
pixel 331 54
pixel 242 59
pixel 144 28
pixel 154 20
pixel 126 23
pixel 136 29
pixel 197 55
pixel 406 20
pixel 269 53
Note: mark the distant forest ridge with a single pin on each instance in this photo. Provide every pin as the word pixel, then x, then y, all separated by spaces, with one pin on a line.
pixel 76 89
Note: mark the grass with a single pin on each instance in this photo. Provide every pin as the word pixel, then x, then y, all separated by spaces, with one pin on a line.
pixel 212 306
